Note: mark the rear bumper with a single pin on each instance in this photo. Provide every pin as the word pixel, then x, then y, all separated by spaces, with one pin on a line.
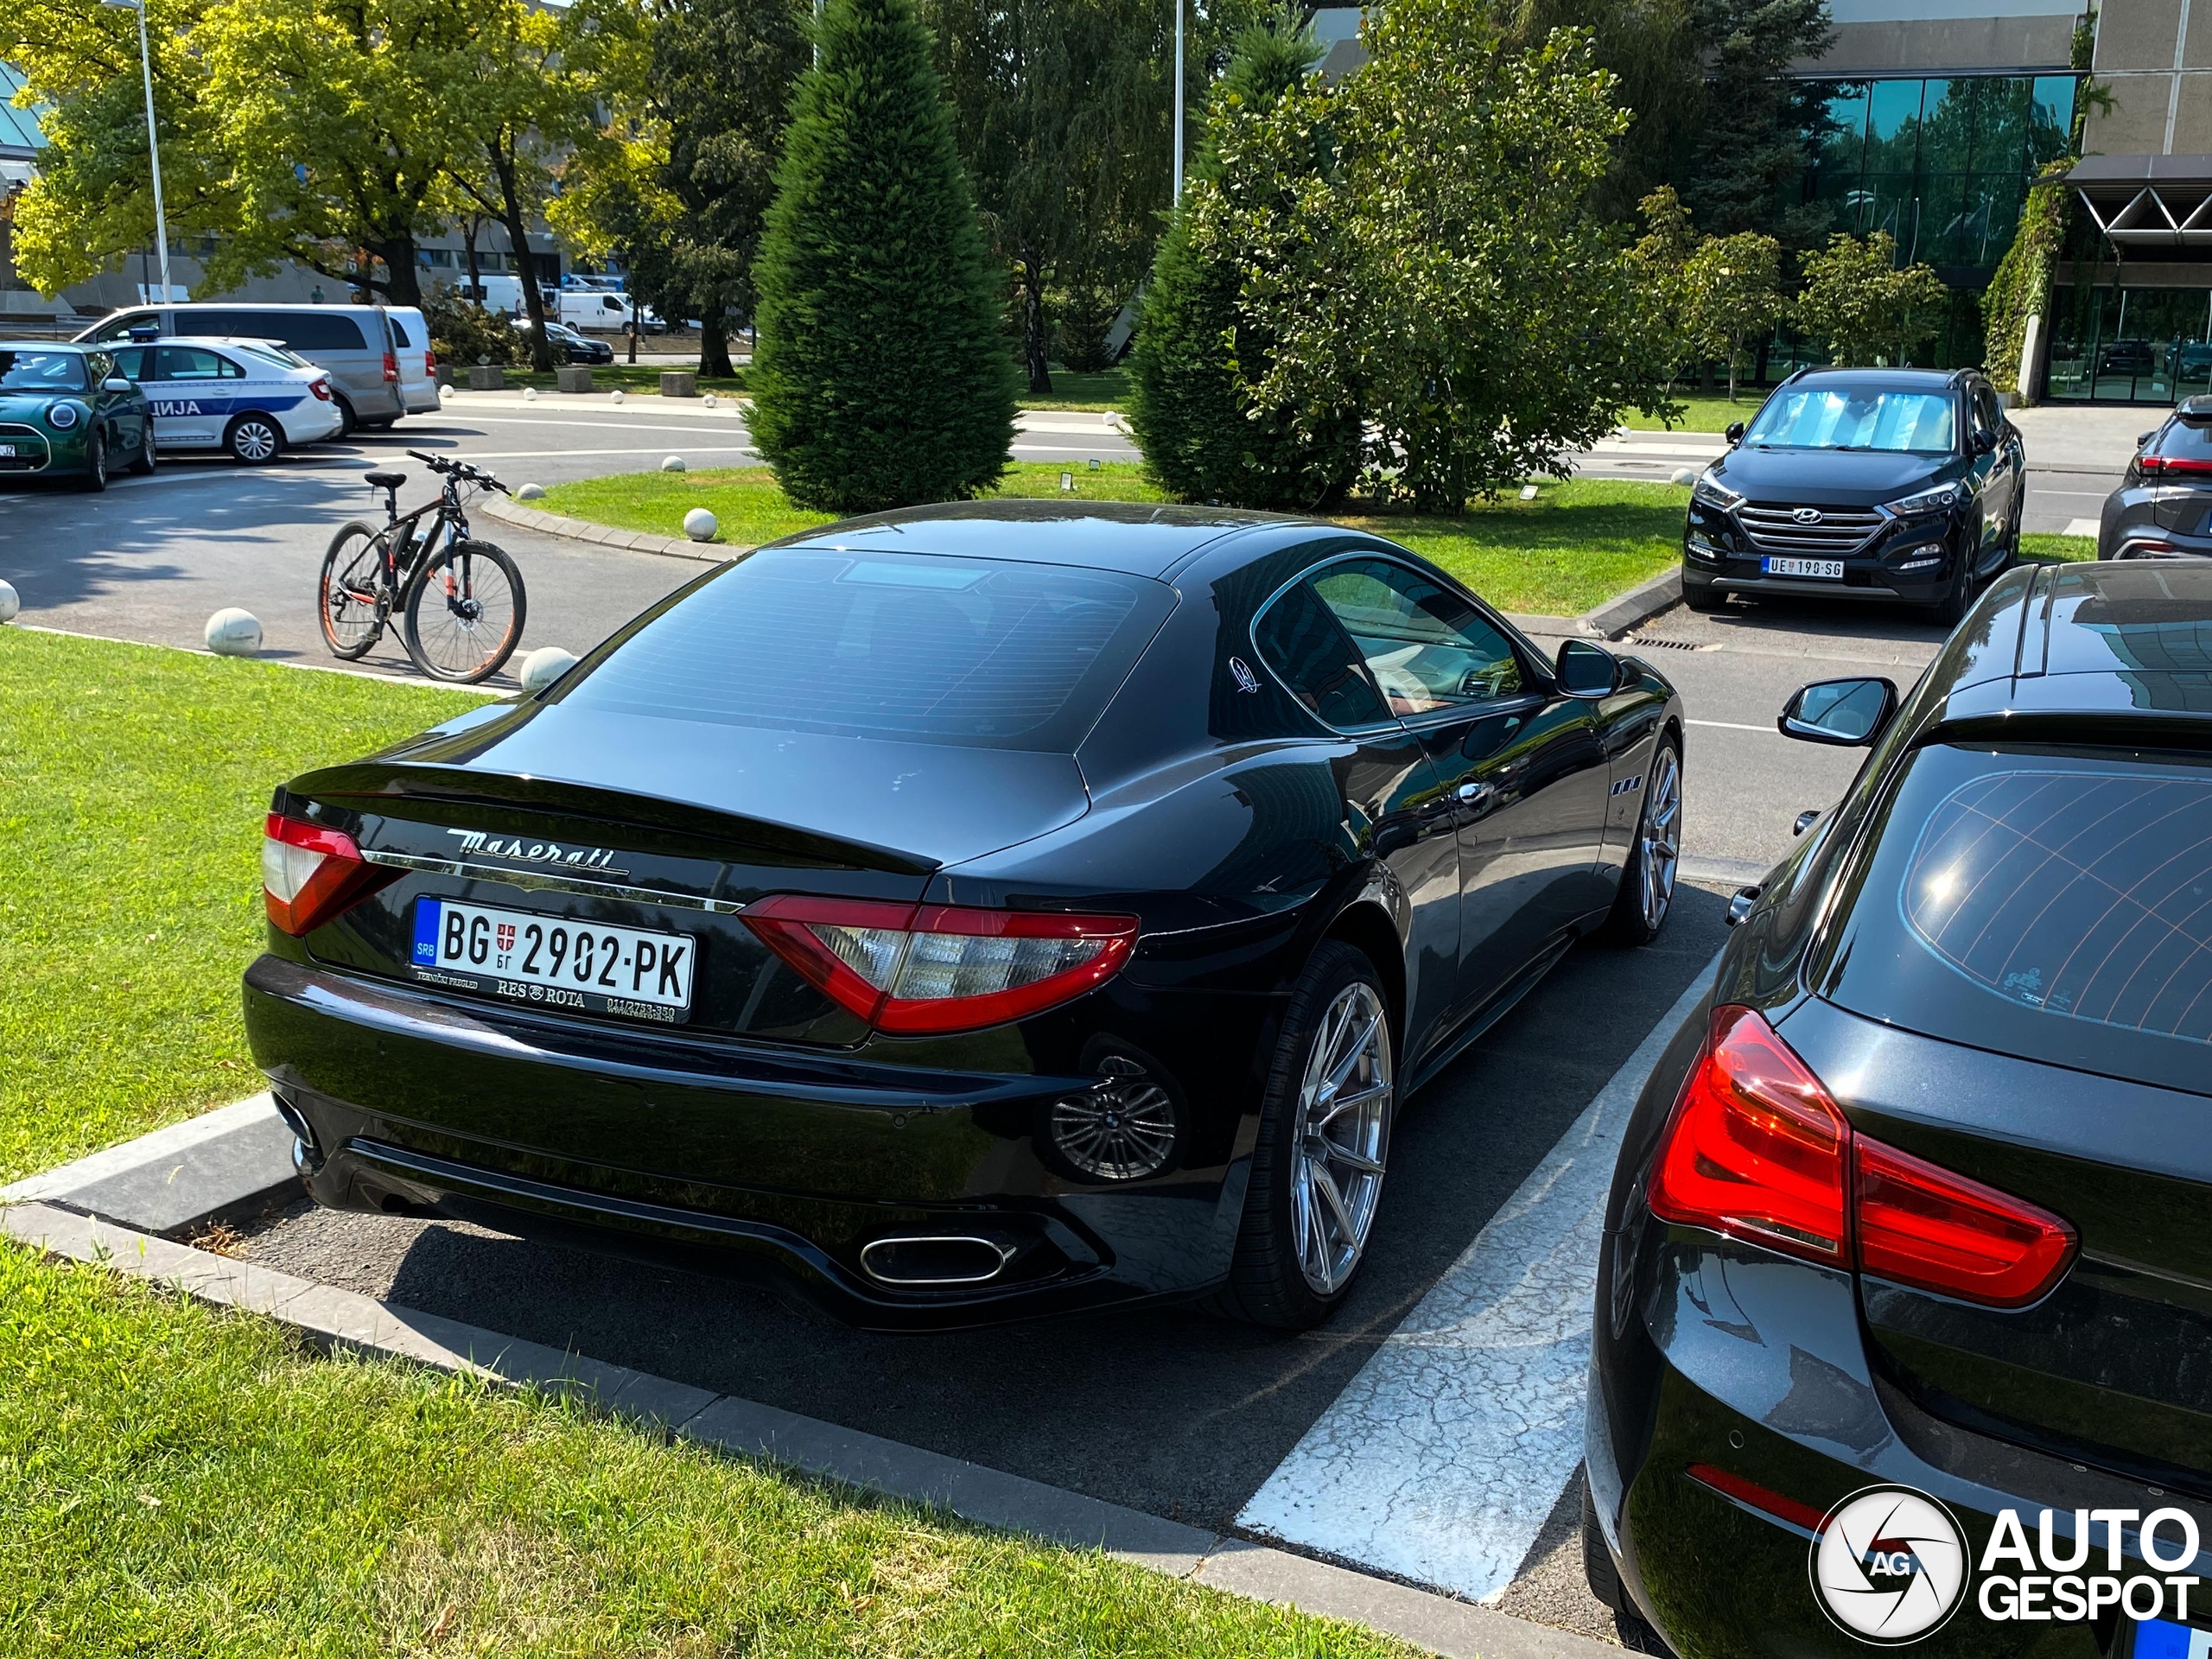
pixel 420 397
pixel 1718 1355
pixel 727 1157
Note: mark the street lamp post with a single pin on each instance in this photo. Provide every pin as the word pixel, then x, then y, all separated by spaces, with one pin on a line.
pixel 1176 199
pixel 153 140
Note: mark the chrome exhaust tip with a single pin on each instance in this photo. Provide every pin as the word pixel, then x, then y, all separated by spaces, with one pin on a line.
pixel 928 1260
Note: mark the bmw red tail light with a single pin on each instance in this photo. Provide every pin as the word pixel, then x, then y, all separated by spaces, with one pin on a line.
pixel 320 388
pixel 916 968
pixel 1758 1149
pixel 391 366
pixel 308 873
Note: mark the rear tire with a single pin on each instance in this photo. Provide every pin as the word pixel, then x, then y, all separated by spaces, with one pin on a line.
pixel 1647 890
pixel 465 635
pixel 253 440
pixel 351 601
pixel 1295 1259
pixel 148 454
pixel 346 423
pixel 1604 1578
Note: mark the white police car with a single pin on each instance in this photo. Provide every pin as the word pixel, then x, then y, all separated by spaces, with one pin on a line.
pixel 252 397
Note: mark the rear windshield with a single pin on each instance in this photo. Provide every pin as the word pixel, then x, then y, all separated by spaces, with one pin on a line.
pixel 2186 445
pixel 1845 418
pixel 916 646
pixel 2051 904
pixel 42 371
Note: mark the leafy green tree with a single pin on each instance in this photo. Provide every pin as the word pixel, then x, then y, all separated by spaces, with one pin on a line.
pixel 1258 200
pixel 880 379
pixel 1733 285
pixel 1659 261
pixel 1758 128
pixel 1863 308
pixel 1498 324
pixel 1657 57
pixel 1061 112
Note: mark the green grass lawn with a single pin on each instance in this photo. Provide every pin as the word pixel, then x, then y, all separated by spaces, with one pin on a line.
pixel 1704 411
pixel 1104 389
pixel 182 1483
pixel 607 377
pixel 132 787
pixel 2034 546
pixel 192 1484
pixel 1576 545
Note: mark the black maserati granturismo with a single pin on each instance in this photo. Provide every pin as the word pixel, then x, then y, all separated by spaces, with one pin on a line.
pixel 963 913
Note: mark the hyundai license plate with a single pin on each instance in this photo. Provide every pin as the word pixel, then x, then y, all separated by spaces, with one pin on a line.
pixel 555 961
pixel 1830 570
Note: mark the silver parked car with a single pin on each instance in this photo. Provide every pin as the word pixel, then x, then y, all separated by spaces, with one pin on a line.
pixel 378 356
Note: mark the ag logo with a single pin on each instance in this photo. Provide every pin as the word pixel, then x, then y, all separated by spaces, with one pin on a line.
pixel 1890 1564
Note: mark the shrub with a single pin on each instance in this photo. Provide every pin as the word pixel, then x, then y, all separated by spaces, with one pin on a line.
pixel 464 333
pixel 881 379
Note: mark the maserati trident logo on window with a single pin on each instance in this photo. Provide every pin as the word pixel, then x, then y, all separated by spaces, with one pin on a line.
pixel 1807 515
pixel 477 843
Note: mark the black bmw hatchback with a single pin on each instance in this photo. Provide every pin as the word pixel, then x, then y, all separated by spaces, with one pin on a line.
pixel 1918 1206
pixel 1856 484
pixel 965 912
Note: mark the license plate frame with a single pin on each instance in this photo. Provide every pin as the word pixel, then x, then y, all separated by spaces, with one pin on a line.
pixel 531 958
pixel 1805 569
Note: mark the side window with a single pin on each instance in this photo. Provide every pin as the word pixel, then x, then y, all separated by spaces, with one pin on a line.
pixel 188 363
pixel 130 363
pixel 120 328
pixel 226 370
pixel 1426 648
pixel 399 341
pixel 1984 412
pixel 1309 653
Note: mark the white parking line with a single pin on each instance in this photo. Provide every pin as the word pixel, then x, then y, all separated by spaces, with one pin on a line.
pixel 1441 1460
pixel 1732 725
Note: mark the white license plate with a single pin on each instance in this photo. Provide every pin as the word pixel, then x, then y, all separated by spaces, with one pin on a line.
pixel 7 452
pixel 555 961
pixel 1831 569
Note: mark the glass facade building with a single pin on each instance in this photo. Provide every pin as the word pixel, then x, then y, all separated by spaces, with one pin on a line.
pixel 1942 165
pixel 2128 345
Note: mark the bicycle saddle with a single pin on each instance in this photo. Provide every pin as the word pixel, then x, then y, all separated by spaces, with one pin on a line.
pixel 386 481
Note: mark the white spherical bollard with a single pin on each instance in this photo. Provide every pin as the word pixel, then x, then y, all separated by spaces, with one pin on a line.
pixel 529 394
pixel 445 394
pixel 710 400
pixel 530 493
pixel 233 632
pixel 544 665
pixel 673 464
pixel 10 606
pixel 615 397
pixel 1683 475
pixel 701 525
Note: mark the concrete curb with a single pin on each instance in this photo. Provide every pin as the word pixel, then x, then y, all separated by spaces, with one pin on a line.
pixel 342 1318
pixel 1635 608
pixel 578 530
pixel 222 1164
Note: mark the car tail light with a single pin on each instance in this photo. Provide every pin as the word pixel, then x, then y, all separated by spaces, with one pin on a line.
pixel 1922 1225
pixel 391 366
pixel 430 364
pixel 1757 1145
pixel 308 873
pixel 2174 464
pixel 1757 1148
pixel 320 388
pixel 913 968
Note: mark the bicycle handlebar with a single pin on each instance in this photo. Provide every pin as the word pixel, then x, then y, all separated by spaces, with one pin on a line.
pixel 461 469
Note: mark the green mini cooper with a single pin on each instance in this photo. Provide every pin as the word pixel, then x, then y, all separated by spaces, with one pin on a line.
pixel 65 412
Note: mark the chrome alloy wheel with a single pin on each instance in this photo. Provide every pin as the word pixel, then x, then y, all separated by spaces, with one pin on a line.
pixel 254 442
pixel 1659 846
pixel 1342 1134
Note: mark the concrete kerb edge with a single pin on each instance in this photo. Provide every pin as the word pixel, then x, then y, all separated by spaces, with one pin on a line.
pixel 579 529
pixel 1632 609
pixel 343 1320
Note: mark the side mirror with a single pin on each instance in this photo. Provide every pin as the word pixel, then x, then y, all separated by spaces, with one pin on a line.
pixel 1735 432
pixel 1587 671
pixel 1849 713
pixel 1984 443
pixel 119 385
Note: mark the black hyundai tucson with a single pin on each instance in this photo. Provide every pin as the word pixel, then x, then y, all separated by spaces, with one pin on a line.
pixel 1859 484
pixel 1919 1199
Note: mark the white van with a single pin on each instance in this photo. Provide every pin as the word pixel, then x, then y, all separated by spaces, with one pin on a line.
pixel 606 313
pixel 371 375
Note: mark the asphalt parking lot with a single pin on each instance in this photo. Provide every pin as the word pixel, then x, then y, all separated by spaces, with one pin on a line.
pixel 1169 1411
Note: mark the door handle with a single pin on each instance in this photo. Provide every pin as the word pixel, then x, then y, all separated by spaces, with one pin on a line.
pixel 1472 791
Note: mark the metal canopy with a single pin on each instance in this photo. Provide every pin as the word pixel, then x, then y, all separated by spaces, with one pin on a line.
pixel 2147 201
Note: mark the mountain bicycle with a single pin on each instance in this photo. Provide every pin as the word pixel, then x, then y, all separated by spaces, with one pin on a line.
pixel 460 600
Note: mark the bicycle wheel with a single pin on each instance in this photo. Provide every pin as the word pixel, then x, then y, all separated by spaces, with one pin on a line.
pixel 465 613
pixel 352 601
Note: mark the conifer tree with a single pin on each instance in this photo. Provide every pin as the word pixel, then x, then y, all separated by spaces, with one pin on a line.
pixel 881 379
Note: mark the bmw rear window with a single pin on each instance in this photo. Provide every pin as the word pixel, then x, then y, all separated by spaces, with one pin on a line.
pixel 914 646
pixel 2052 904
